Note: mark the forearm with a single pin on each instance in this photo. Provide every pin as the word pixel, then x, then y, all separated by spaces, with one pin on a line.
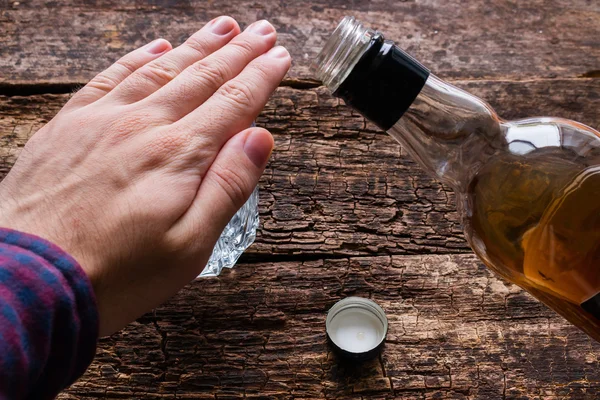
pixel 48 318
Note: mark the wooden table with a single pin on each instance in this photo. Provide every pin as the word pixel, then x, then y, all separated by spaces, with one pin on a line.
pixel 343 210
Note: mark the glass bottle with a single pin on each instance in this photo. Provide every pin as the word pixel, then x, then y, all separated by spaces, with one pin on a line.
pixel 528 191
pixel 237 236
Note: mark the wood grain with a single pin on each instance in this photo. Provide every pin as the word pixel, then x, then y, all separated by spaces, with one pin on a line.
pixel 50 42
pixel 334 183
pixel 455 331
pixel 338 186
pixel 343 210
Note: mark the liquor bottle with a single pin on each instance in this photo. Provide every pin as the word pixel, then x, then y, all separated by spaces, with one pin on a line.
pixel 528 191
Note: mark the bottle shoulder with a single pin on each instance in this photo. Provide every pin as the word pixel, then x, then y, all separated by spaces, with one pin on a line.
pixel 531 136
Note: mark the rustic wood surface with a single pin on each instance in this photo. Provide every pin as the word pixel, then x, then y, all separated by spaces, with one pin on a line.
pixel 343 210
pixel 67 42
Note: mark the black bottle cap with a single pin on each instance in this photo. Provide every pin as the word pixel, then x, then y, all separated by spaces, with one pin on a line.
pixel 383 83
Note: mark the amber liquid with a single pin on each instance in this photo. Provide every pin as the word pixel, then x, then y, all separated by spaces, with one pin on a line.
pixel 534 218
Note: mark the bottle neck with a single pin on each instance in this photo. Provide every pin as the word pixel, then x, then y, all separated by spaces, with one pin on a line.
pixel 369 73
pixel 444 128
pixel 345 47
pixel 449 132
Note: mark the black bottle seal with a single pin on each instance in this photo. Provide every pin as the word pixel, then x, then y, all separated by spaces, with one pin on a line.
pixel 383 83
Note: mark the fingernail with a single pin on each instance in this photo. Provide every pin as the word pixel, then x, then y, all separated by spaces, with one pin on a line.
pixel 261 28
pixel 278 52
pixel 258 147
pixel 221 25
pixel 157 46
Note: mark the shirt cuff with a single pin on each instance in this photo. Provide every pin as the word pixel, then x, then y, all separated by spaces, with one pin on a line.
pixel 51 313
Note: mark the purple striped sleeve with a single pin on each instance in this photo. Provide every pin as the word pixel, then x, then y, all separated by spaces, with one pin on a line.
pixel 48 318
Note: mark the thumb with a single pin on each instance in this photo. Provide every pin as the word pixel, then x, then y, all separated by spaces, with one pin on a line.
pixel 227 185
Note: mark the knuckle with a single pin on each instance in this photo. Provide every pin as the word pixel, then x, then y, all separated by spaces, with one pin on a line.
pixel 232 183
pixel 127 64
pixel 264 72
pixel 159 73
pixel 216 71
pixel 242 46
pixel 184 91
pixel 199 43
pixel 239 93
pixel 110 78
pixel 103 82
pixel 180 243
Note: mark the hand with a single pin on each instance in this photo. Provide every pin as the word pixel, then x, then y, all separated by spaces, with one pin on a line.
pixel 141 170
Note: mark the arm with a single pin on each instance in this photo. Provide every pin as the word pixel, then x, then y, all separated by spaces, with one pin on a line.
pixel 135 178
pixel 48 318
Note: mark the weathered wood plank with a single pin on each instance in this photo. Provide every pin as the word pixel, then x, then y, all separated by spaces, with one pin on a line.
pixel 335 184
pixel 455 332
pixel 68 42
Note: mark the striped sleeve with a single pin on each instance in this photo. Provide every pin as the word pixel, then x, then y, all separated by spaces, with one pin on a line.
pixel 48 318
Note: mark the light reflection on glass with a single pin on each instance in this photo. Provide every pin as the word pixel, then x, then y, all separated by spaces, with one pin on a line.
pixel 523 139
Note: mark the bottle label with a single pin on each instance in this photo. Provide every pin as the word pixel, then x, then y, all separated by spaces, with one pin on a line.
pixel 592 306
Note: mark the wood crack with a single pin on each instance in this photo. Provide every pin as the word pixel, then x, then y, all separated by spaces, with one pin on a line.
pixel 436 347
pixel 32 88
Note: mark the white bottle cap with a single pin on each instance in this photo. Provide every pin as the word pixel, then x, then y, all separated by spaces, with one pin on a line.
pixel 356 327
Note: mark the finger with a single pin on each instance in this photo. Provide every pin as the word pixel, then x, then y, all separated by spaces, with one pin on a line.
pixel 161 71
pixel 199 81
pixel 226 186
pixel 237 103
pixel 108 79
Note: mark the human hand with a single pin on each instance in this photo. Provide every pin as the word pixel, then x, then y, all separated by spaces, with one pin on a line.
pixel 141 170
